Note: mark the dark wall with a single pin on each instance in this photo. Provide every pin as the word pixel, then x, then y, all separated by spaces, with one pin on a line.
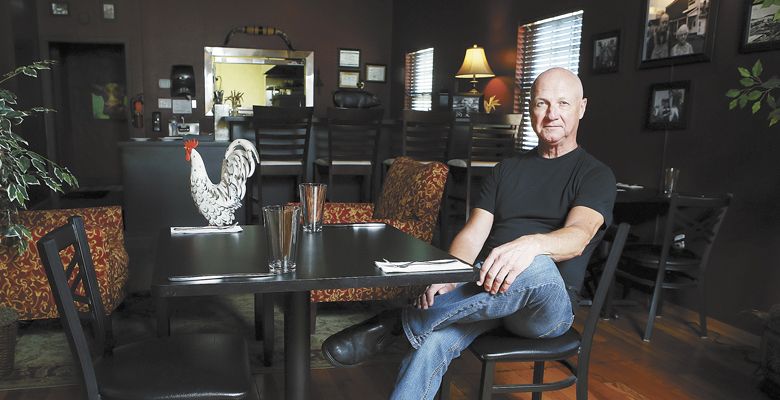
pixel 161 33
pixel 720 151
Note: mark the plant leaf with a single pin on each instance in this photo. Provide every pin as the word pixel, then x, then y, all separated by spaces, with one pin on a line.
pixel 733 93
pixel 38 164
pixel 733 104
pixel 30 179
pixel 744 72
pixel 30 71
pixel 754 95
pixel 771 100
pixel 742 101
pixel 747 82
pixel 756 106
pixel 757 68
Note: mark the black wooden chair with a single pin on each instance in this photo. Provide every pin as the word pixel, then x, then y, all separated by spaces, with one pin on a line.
pixel 282 136
pixel 202 366
pixel 427 135
pixel 492 138
pixel 680 260
pixel 353 144
pixel 501 346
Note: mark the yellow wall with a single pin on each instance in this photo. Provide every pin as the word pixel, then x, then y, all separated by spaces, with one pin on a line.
pixel 247 78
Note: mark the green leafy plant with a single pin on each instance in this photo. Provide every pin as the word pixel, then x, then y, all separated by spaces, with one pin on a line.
pixel 756 91
pixel 21 167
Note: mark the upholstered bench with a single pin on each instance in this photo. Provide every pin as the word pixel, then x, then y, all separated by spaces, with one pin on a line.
pixel 23 283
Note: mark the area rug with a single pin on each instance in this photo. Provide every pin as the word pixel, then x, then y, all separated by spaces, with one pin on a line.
pixel 43 358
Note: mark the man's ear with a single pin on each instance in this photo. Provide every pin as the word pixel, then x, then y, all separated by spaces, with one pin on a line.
pixel 583 105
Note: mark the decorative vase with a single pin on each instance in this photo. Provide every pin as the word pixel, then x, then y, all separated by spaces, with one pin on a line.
pixel 8 322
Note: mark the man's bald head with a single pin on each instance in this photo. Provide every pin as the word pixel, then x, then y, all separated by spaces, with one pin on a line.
pixel 561 75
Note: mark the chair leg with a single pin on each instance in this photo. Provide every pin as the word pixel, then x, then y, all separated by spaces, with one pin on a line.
pixel 538 378
pixel 654 302
pixel 582 379
pixel 486 383
pixel 313 316
pixel 702 312
pixel 264 329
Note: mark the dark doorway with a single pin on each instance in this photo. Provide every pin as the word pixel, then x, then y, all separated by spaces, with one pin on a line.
pixel 90 96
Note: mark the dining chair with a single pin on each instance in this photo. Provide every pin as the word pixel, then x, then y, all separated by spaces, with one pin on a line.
pixel 427 135
pixel 353 144
pixel 282 136
pixel 198 366
pixel 492 138
pixel 501 346
pixel 679 261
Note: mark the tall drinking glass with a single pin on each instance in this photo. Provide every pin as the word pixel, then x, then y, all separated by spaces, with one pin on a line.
pixel 281 232
pixel 671 178
pixel 313 203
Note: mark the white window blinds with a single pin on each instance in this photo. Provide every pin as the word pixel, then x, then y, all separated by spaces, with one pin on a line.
pixel 418 82
pixel 552 42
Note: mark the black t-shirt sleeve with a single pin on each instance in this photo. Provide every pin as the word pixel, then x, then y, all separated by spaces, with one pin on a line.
pixel 597 192
pixel 488 193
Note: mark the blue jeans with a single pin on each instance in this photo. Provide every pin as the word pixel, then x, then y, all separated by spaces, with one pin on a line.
pixel 535 305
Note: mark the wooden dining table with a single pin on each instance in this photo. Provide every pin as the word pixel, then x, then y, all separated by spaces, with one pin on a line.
pixel 341 256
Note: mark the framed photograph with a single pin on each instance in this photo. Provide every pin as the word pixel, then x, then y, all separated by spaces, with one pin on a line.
pixel 463 104
pixel 59 8
pixel 606 52
pixel 349 79
pixel 376 72
pixel 669 105
pixel 761 31
pixel 349 58
pixel 676 32
pixel 109 12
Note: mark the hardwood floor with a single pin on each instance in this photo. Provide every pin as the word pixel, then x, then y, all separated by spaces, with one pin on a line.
pixel 677 364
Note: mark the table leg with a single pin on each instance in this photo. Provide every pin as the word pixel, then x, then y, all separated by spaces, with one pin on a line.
pixel 163 316
pixel 296 346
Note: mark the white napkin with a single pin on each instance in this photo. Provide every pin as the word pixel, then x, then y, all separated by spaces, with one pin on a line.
pixel 188 230
pixel 627 186
pixel 422 266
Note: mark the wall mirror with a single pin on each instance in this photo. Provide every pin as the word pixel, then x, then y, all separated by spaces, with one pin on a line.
pixel 279 78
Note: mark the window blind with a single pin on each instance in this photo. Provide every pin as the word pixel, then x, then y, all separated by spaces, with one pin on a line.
pixel 552 42
pixel 418 82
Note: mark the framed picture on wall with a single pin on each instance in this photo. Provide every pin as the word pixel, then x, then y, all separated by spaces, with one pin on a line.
pixel 109 12
pixel 376 73
pixel 669 105
pixel 349 79
pixel 59 8
pixel 761 31
pixel 606 52
pixel 674 32
pixel 349 58
pixel 464 104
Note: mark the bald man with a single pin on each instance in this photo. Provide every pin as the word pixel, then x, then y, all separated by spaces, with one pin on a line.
pixel 535 210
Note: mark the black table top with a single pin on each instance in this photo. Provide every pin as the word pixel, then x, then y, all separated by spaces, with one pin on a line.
pixel 341 256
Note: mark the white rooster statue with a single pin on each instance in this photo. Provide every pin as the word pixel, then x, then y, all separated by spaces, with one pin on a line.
pixel 218 202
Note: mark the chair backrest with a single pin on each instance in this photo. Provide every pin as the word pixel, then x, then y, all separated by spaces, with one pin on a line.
pixel 413 191
pixel 616 237
pixel 427 135
pixel 281 133
pixel 71 282
pixel 354 133
pixel 698 218
pixel 493 136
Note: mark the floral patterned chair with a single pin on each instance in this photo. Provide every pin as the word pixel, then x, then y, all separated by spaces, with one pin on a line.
pixel 410 200
pixel 23 283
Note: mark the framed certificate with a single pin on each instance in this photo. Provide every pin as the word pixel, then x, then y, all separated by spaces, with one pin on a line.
pixel 59 8
pixel 349 58
pixel 349 79
pixel 376 73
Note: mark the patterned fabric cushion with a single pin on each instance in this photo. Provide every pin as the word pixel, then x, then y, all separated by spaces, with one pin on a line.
pixel 409 202
pixel 24 285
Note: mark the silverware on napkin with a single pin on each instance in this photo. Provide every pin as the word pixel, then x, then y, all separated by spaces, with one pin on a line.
pixel 408 263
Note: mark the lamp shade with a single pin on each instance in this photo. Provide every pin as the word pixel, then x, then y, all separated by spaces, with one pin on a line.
pixel 475 64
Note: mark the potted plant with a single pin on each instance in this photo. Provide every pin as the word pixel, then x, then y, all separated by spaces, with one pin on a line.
pixel 21 167
pixel 235 99
pixel 8 318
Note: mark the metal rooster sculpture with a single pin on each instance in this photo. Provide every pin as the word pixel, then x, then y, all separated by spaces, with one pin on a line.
pixel 218 202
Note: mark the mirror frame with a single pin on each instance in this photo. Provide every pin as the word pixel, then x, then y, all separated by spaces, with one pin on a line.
pixel 283 57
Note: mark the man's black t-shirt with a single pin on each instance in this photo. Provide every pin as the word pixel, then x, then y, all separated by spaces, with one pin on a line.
pixel 530 194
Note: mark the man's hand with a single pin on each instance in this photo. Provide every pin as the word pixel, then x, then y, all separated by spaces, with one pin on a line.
pixel 506 262
pixel 425 300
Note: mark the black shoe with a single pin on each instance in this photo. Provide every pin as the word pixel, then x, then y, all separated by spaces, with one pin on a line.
pixel 358 343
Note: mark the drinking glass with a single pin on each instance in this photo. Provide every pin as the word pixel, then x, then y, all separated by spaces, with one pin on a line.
pixel 281 232
pixel 671 177
pixel 313 203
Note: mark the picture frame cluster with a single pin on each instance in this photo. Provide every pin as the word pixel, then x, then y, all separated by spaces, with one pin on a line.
pixel 349 76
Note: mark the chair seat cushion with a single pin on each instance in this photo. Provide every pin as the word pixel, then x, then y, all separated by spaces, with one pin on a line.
pixel 501 345
pixel 213 366
pixel 461 163
pixel 324 162
pixel 649 255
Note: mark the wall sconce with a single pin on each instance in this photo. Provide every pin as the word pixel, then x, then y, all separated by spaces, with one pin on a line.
pixel 475 66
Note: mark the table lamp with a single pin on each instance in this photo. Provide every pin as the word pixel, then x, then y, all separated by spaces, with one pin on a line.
pixel 475 66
